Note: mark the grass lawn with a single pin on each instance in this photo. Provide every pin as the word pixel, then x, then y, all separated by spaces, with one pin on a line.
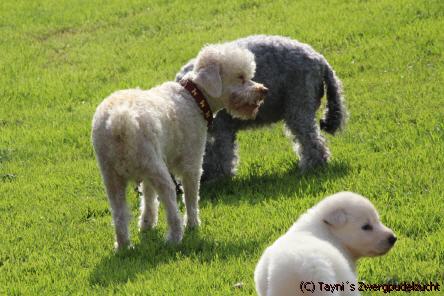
pixel 59 59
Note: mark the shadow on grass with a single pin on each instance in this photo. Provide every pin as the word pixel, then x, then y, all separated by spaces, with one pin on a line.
pixel 152 251
pixel 254 188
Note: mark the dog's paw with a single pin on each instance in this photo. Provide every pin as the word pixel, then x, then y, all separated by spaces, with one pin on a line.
pixel 307 165
pixel 174 237
pixel 121 248
pixel 147 224
pixel 191 223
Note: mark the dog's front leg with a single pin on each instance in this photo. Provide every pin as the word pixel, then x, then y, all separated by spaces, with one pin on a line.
pixel 221 155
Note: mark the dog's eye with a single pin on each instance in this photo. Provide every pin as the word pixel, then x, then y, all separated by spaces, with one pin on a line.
pixel 367 227
pixel 241 78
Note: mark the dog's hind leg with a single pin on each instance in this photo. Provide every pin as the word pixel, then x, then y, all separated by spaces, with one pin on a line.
pixel 115 187
pixel 300 119
pixel 149 206
pixel 309 143
pixel 191 189
pixel 162 183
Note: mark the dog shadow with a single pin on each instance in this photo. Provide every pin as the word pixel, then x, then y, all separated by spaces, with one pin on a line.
pixel 152 251
pixel 257 187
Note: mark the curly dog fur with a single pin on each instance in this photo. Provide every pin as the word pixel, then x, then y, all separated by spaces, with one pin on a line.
pixel 296 76
pixel 144 135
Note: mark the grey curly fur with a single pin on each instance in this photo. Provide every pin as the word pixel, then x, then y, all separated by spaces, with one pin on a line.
pixel 295 75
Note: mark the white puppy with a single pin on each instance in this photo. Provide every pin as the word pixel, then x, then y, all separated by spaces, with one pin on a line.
pixel 318 253
pixel 144 135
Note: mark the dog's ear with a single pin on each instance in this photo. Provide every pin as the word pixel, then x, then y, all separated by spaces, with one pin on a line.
pixel 336 218
pixel 208 78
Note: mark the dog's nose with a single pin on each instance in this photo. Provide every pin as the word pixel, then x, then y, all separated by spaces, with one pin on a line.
pixel 264 90
pixel 392 239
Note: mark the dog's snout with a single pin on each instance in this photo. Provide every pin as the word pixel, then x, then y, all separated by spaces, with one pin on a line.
pixel 263 90
pixel 392 239
pixel 260 89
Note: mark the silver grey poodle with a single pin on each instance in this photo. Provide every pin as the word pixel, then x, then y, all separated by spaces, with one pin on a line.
pixel 295 75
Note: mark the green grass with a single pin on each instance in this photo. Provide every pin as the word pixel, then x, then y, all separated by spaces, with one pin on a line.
pixel 59 59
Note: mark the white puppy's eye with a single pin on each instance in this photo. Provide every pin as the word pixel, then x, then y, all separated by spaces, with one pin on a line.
pixel 367 227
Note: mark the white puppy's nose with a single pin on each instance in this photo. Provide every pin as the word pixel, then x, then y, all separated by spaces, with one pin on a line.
pixel 392 239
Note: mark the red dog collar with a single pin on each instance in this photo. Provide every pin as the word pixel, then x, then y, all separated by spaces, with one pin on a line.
pixel 198 96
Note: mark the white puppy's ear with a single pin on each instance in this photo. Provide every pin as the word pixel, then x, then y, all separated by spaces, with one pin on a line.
pixel 208 78
pixel 336 218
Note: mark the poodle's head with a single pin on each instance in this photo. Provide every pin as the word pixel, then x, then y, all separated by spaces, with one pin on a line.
pixel 224 73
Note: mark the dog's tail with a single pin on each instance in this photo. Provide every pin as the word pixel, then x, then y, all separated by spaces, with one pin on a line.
pixel 336 113
pixel 124 127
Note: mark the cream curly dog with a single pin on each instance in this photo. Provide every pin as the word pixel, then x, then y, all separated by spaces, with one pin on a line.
pixel 322 247
pixel 146 135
